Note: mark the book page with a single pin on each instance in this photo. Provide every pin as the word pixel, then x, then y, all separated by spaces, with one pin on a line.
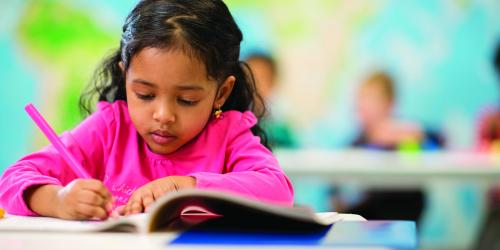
pixel 220 210
pixel 166 210
pixel 133 223
pixel 333 217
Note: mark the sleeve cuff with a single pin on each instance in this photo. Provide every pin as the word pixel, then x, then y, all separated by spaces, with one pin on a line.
pixel 22 208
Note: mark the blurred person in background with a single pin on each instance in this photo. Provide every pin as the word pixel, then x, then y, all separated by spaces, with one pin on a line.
pixel 263 67
pixel 265 72
pixel 489 140
pixel 381 130
pixel 488 133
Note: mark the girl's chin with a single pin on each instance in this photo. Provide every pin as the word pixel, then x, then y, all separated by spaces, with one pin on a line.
pixel 161 150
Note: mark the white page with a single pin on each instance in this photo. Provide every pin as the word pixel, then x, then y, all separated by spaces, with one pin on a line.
pixel 30 223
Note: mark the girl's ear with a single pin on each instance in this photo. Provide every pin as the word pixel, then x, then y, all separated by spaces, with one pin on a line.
pixel 122 67
pixel 224 91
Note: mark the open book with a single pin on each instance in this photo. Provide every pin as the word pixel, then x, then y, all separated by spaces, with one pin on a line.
pixel 189 208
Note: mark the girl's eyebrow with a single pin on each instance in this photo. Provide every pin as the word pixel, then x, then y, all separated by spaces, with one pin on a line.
pixel 144 82
pixel 192 87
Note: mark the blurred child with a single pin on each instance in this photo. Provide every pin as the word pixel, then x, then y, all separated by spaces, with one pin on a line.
pixel 381 130
pixel 264 70
pixel 375 102
pixel 489 141
pixel 488 135
pixel 174 113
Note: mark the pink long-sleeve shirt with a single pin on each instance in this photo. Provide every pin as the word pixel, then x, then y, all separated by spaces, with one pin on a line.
pixel 224 156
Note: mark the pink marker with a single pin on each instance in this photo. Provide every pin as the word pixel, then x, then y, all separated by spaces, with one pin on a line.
pixel 54 139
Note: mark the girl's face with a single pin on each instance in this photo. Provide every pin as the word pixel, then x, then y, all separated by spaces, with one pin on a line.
pixel 373 105
pixel 170 98
pixel 264 77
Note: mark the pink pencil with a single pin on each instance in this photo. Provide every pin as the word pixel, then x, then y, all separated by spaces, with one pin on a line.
pixel 54 139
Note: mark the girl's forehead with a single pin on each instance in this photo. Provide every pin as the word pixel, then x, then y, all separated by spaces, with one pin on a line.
pixel 167 56
pixel 159 65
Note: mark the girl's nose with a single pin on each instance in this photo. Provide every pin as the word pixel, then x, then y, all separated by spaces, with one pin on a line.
pixel 164 115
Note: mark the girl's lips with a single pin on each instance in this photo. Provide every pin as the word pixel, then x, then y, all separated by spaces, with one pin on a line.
pixel 162 139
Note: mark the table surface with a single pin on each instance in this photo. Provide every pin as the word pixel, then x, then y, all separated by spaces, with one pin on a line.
pixel 135 241
pixel 376 164
pixel 338 236
pixel 94 241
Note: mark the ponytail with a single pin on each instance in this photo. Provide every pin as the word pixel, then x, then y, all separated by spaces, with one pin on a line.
pixel 244 96
pixel 108 83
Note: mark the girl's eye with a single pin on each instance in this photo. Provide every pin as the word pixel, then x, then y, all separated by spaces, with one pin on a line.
pixel 187 102
pixel 145 97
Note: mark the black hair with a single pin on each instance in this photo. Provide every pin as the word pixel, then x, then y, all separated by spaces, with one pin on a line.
pixel 204 29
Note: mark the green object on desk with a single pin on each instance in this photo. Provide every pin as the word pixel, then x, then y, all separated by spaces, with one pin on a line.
pixel 409 146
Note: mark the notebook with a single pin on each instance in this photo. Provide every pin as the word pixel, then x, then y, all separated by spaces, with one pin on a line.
pixel 193 207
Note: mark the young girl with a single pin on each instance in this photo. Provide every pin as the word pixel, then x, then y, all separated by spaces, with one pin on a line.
pixel 381 130
pixel 374 105
pixel 173 114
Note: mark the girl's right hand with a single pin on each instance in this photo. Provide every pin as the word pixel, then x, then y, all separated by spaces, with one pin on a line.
pixel 84 199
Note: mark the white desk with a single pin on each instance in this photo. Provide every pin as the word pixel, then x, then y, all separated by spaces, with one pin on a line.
pixel 55 240
pixel 123 241
pixel 456 184
pixel 388 168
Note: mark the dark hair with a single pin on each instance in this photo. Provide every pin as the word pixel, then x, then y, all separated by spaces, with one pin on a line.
pixel 203 29
pixel 384 81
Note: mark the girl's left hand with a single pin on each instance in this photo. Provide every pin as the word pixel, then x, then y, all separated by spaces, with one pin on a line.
pixel 143 197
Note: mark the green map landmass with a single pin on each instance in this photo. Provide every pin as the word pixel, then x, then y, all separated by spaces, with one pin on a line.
pixel 71 43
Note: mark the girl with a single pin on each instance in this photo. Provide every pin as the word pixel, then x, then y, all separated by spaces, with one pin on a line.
pixel 374 105
pixel 381 130
pixel 173 114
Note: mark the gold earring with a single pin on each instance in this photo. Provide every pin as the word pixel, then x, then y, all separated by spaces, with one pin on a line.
pixel 217 113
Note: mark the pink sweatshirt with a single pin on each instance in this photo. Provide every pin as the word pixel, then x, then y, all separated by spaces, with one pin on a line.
pixel 224 156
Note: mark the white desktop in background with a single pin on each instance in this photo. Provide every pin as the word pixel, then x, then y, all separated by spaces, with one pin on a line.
pixel 456 184
pixel 371 165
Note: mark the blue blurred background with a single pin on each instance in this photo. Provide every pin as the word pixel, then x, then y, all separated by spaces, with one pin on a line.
pixel 439 53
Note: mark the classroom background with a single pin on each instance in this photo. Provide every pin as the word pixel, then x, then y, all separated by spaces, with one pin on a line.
pixel 439 54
